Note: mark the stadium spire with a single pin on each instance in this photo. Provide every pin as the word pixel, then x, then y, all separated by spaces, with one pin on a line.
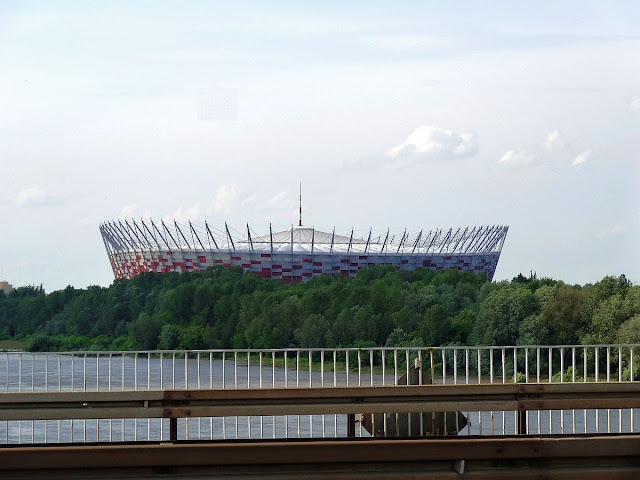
pixel 300 221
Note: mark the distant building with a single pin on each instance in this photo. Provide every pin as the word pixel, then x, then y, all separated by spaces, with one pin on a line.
pixel 296 254
pixel 6 287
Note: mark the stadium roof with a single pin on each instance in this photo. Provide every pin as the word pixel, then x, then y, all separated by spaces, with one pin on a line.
pixel 143 235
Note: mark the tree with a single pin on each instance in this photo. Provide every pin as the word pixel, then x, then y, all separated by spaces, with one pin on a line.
pixel 563 314
pixel 501 314
pixel 607 319
pixel 191 337
pixel 145 331
pixel 406 319
pixel 364 322
pixel 85 321
pixel 168 337
pixel 629 331
pixel 343 327
pixel 462 326
pixel 601 291
pixel 435 327
pixel 222 308
pixel 315 331
pixel 534 330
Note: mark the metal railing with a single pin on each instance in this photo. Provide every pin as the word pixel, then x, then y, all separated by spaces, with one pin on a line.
pixel 430 400
pixel 600 457
pixel 292 368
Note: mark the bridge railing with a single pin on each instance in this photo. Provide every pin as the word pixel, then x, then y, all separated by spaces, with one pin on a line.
pixel 428 403
pixel 295 368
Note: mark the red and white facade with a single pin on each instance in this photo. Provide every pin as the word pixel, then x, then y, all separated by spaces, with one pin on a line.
pixel 297 254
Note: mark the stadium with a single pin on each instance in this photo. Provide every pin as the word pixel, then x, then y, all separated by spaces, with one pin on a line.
pixel 296 254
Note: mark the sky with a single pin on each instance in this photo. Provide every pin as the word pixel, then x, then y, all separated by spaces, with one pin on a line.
pixel 415 115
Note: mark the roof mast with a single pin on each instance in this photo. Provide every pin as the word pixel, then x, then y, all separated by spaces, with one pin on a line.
pixel 300 221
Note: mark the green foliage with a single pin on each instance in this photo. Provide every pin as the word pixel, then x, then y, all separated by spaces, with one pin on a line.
pixel 629 330
pixel 315 330
pixel 626 373
pixel 191 337
pixel 122 344
pixel 519 378
pixel 435 327
pixel 225 308
pixel 563 315
pixel 501 314
pixel 4 333
pixel 534 331
pixel 567 376
pixel 145 331
pixel 607 319
pixel 609 304
pixel 462 326
pixel 168 337
pixel 397 338
pixel 39 343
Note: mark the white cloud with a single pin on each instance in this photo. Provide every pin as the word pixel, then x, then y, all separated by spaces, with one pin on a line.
pixel 131 211
pixel 184 214
pixel 553 140
pixel 435 143
pixel 250 200
pixel 634 103
pixel 581 159
pixel 281 200
pixel 553 152
pixel 128 211
pixel 224 199
pixel 611 231
pixel 34 197
pixel 517 158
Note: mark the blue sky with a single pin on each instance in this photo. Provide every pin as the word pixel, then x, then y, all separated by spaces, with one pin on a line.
pixel 402 115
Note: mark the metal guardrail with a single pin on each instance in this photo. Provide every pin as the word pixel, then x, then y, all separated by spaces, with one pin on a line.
pixel 296 368
pixel 173 404
pixel 601 457
pixel 316 401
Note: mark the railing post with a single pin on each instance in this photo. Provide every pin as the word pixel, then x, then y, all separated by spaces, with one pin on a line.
pixel 173 429
pixel 351 425
pixel 522 422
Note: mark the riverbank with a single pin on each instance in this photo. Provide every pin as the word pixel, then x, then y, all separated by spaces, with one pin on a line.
pixel 13 345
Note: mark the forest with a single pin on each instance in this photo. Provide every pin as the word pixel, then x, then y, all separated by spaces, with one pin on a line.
pixel 382 306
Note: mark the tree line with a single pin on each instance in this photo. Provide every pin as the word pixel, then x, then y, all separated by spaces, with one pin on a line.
pixel 382 306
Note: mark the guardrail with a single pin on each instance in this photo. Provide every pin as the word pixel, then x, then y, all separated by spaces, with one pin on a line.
pixel 595 457
pixel 296 368
pixel 419 400
pixel 317 401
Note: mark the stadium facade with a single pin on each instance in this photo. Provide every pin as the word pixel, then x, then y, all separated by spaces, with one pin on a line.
pixel 295 254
